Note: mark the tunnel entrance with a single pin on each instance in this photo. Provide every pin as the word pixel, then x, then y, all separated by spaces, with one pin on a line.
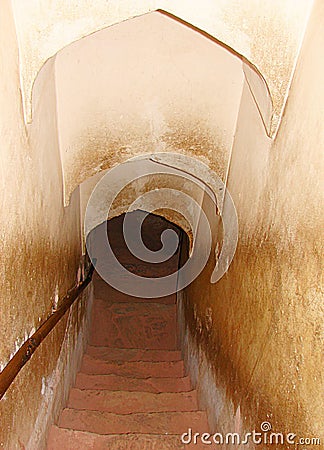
pixel 132 384
pixel 152 228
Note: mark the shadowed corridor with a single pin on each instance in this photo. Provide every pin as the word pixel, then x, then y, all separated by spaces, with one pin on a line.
pixel 131 390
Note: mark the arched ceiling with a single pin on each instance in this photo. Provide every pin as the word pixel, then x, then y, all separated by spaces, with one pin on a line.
pixel 268 33
pixel 149 84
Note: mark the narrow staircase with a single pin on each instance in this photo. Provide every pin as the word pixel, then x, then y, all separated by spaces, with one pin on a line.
pixel 132 391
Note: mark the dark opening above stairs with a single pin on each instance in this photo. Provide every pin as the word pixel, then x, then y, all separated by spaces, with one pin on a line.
pixel 132 391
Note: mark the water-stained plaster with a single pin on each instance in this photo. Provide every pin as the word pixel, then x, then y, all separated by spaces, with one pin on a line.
pixel 257 333
pixel 183 97
pixel 40 246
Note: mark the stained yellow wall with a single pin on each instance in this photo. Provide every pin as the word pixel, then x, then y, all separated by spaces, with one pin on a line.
pixel 254 340
pixel 40 251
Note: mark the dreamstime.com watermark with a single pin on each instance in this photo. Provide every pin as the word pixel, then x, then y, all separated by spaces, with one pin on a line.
pixel 263 437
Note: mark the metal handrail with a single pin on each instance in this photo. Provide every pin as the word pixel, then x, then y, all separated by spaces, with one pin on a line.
pixel 23 355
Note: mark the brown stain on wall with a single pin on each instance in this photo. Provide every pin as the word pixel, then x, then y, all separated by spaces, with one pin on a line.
pixel 179 94
pixel 262 330
pixel 264 349
pixel 42 386
pixel 32 302
pixel 99 152
pixel 40 253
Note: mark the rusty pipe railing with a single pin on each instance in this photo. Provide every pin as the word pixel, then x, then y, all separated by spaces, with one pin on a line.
pixel 25 352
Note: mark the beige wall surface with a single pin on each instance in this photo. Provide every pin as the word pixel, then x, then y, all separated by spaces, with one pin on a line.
pixel 147 85
pixel 268 33
pixel 40 249
pixel 256 337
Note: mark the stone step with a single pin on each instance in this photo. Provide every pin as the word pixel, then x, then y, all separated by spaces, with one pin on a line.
pixel 136 369
pixel 102 422
pixel 65 439
pixel 131 392
pixel 120 383
pixel 148 270
pixel 125 402
pixel 104 291
pixel 132 354
pixel 134 325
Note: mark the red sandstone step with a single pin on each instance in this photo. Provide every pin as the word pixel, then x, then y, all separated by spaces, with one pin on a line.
pixel 132 354
pixel 102 422
pixel 119 383
pixel 135 369
pixel 134 325
pixel 147 269
pixel 64 439
pixel 124 402
pixel 104 291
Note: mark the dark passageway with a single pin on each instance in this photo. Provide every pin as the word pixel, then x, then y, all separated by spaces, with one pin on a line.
pixel 132 389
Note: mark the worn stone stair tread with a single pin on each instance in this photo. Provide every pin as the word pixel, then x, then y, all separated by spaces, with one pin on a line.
pixel 124 298
pixel 132 354
pixel 67 439
pixel 102 422
pixel 107 293
pixel 104 291
pixel 134 325
pixel 136 369
pixel 126 402
pixel 119 383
